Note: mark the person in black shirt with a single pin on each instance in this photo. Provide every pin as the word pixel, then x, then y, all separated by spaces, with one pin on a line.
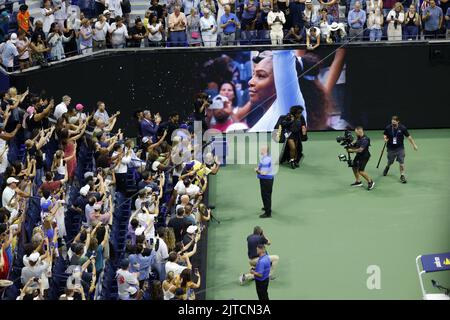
pixel 253 241
pixel 293 124
pixel 393 136
pixel 138 33
pixel 170 126
pixel 178 224
pixel 361 148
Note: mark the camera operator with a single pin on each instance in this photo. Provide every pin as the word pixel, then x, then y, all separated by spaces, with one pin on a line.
pixel 361 148
pixel 294 124
pixel 393 136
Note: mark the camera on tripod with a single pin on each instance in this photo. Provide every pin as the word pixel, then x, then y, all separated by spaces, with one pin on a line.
pixel 346 141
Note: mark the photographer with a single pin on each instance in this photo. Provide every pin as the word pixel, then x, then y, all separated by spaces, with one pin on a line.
pixel 393 136
pixel 294 128
pixel 361 148
pixel 201 103
pixel 253 241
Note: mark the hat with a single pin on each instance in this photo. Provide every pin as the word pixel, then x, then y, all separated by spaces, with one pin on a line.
pixel 5 14
pixel 31 110
pixel 88 174
pixel 13 37
pixel 11 180
pixel 139 231
pixel 155 165
pixel 105 12
pixel 334 26
pixel 308 1
pixel 217 102
pixel 145 139
pixel 191 229
pixel 97 206
pixel 85 190
pixel 189 165
pixel 45 205
pixel 34 257
pixel 79 107
pixel 132 290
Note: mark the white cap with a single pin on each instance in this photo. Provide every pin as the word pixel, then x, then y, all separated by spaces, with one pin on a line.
pixel 34 257
pixel 155 165
pixel 106 11
pixel 217 102
pixel 85 190
pixel 139 231
pixel 88 174
pixel 191 229
pixel 13 38
pixel 11 180
pixel 145 139
pixel 132 290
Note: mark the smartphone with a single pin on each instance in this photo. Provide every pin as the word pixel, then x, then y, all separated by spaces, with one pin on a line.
pixel 196 270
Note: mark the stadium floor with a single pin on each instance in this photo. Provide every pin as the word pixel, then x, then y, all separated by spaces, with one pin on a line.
pixel 326 233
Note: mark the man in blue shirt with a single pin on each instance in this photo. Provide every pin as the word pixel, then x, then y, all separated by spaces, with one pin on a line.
pixel 356 20
pixel 432 17
pixel 261 273
pixel 266 177
pixel 229 23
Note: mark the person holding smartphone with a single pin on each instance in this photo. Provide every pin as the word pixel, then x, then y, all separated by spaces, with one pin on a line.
pixel 208 27
pixel 229 23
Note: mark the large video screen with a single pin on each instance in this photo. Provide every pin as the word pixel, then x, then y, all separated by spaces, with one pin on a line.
pixel 255 88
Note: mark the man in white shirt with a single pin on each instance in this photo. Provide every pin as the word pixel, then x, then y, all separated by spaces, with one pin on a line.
pixel 186 187
pixel 121 160
pixel 61 108
pixel 119 33
pixel 101 113
pixel 10 193
pixel 162 253
pixel 275 20
pixel 100 30
pixel 126 280
pixel 9 52
pixel 173 266
pixel 36 269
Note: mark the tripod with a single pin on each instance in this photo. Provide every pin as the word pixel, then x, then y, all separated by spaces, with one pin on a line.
pixel 213 218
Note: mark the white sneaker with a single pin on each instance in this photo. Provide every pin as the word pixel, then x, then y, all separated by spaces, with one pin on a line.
pixel 242 279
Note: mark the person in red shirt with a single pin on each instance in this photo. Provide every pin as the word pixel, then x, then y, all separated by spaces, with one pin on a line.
pixel 51 185
pixel 23 19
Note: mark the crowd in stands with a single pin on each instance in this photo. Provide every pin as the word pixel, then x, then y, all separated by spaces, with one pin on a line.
pixel 66 28
pixel 89 213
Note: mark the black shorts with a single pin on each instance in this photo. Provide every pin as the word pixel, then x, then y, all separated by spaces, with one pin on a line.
pixel 359 163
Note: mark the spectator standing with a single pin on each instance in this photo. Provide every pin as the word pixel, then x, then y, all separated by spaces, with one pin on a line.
pixel 375 25
pixel 325 20
pixel 119 33
pixel 99 33
pixel 282 5
pixel 126 10
pixel 86 37
pixel 188 5
pixel 356 21
pixel 193 28
pixel 177 27
pixel 55 41
pixel 155 31
pixel 38 48
pixel 412 23
pixel 127 282
pixel 23 47
pixel 100 6
pixel 209 4
pixel 9 52
pixel 48 16
pixel 62 108
pixel 229 23
pixel 395 20
pixel 23 19
pixel 249 17
pixel 432 18
pixel 71 46
pixel 276 20
pixel 310 14
pixel 374 4
pixel 209 29
pixel 138 33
